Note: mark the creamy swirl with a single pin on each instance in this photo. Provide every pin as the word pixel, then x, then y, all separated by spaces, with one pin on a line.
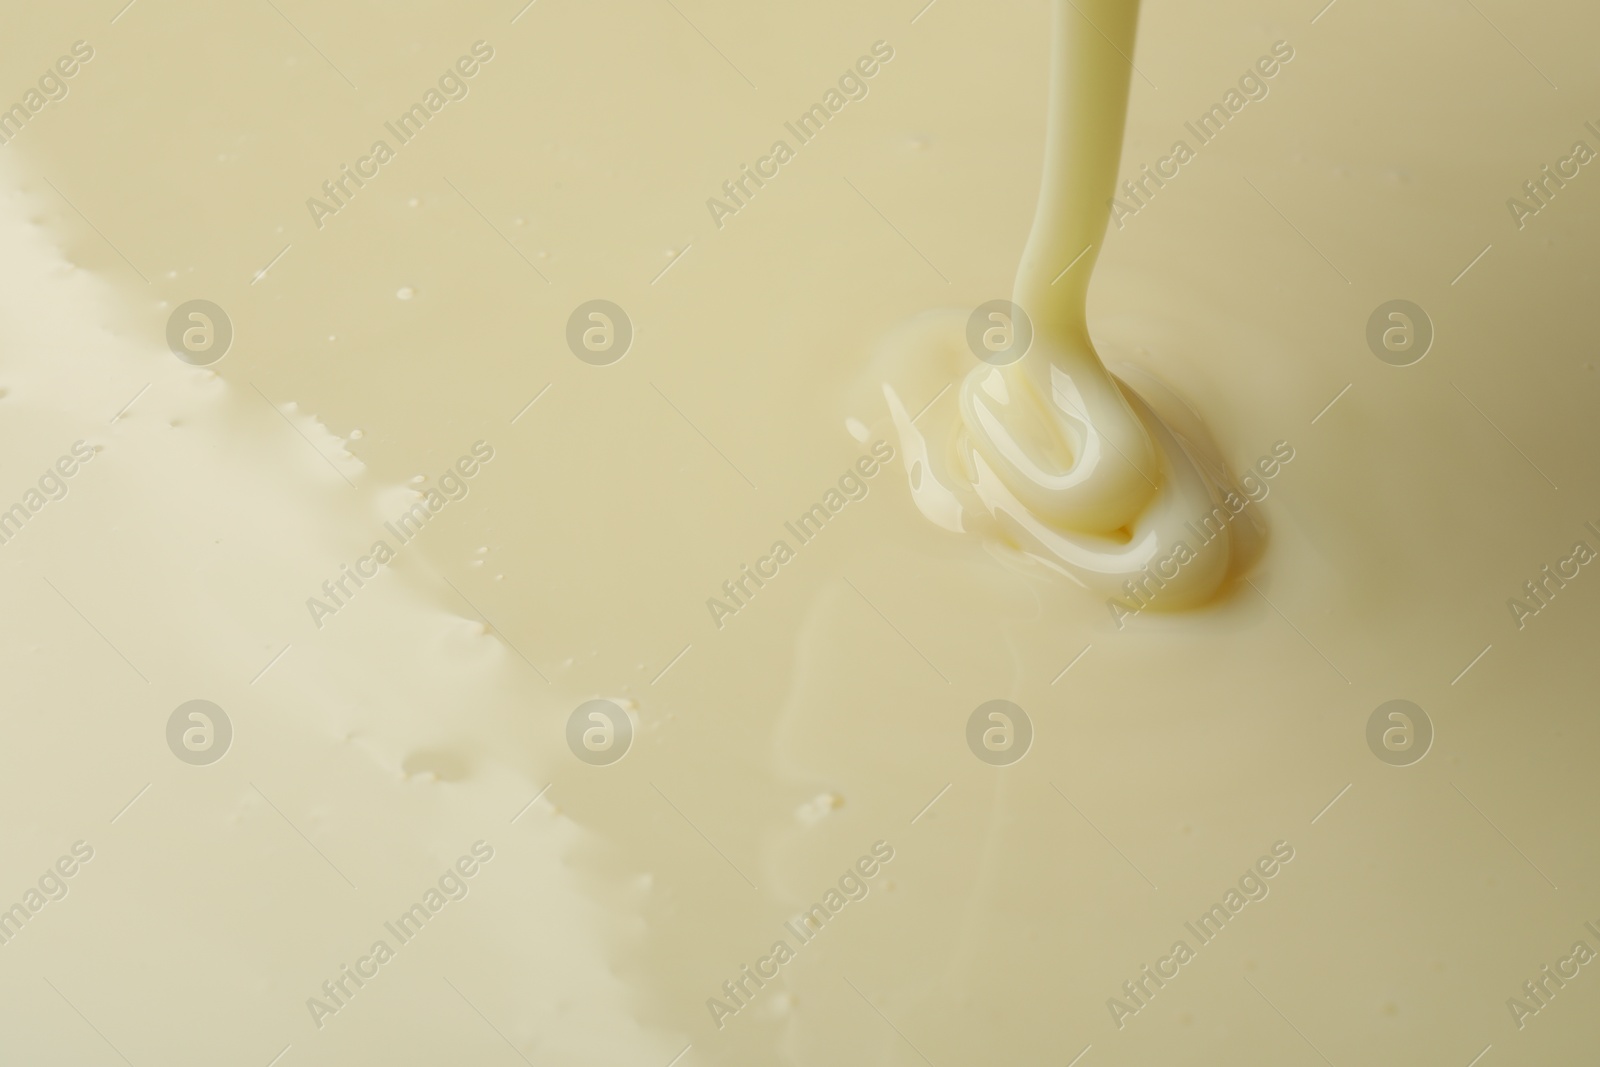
pixel 1051 453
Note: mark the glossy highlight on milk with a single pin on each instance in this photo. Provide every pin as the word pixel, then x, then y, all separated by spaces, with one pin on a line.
pixel 1051 454
pixel 649 851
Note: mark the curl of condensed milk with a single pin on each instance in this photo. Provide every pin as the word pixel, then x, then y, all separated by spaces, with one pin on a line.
pixel 1052 454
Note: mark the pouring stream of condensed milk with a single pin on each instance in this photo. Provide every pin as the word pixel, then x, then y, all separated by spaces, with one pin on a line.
pixel 1049 453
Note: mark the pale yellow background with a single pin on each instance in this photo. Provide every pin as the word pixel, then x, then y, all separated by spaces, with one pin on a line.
pixel 405 729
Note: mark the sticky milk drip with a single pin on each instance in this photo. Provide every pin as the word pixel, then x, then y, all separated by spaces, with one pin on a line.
pixel 1052 454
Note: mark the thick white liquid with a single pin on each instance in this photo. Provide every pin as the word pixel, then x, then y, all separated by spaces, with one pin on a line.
pixel 1049 453
pixel 1169 756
